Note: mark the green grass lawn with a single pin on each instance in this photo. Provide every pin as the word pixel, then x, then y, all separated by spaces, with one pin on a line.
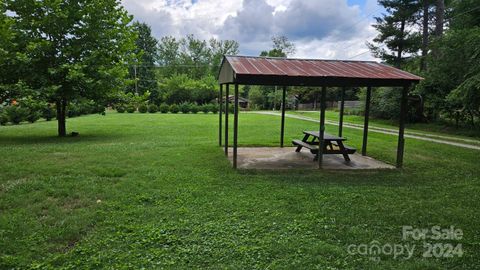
pixel 430 128
pixel 155 191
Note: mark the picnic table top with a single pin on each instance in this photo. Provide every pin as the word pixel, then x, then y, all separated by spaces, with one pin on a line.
pixel 326 136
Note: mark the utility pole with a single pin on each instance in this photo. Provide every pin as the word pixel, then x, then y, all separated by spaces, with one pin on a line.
pixel 275 99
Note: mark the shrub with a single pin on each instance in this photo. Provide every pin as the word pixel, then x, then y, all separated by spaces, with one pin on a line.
pixel 48 113
pixel 174 108
pixel 143 108
pixel 194 108
pixel 185 107
pixel 16 114
pixel 384 102
pixel 99 109
pixel 33 116
pixel 3 118
pixel 85 108
pixel 214 108
pixel 152 108
pixel 205 108
pixel 120 108
pixel 164 108
pixel 130 108
pixel 73 110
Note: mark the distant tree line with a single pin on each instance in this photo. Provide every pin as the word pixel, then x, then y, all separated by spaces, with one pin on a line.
pixel 175 71
pixel 60 59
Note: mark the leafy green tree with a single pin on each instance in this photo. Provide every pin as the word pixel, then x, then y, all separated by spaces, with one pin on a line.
pixel 194 57
pixel 180 89
pixel 7 56
pixel 219 48
pixel 256 97
pixel 174 90
pixel 71 49
pixel 396 32
pixel 451 84
pixel 143 69
pixel 282 47
pixel 282 44
pixel 168 55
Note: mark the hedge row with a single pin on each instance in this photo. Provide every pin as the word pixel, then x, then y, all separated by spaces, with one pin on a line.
pixel 165 108
pixel 16 114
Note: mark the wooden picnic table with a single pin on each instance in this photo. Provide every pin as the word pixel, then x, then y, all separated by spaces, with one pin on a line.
pixel 332 144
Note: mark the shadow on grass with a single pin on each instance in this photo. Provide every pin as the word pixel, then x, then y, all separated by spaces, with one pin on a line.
pixel 9 140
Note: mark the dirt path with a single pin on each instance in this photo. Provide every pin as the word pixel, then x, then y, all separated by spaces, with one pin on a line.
pixel 408 134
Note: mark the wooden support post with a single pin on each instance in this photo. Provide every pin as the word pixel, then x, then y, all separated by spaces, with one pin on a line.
pixel 235 128
pixel 401 139
pixel 282 129
pixel 342 109
pixel 220 104
pixel 227 93
pixel 365 124
pixel 321 144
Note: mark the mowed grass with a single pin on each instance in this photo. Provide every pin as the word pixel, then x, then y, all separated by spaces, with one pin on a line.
pixel 468 133
pixel 155 191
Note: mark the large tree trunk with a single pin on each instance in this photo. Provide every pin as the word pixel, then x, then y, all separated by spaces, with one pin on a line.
pixel 440 17
pixel 398 60
pixel 423 60
pixel 439 20
pixel 61 117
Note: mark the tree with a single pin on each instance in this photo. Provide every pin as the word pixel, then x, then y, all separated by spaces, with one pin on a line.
pixel 180 89
pixel 7 56
pixel 72 49
pixel 439 15
pixel 143 70
pixel 426 18
pixel 282 44
pixel 256 98
pixel 168 55
pixel 282 47
pixel 218 49
pixel 396 32
pixel 451 84
pixel 192 56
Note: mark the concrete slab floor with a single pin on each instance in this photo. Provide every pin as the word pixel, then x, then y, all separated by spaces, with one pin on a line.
pixel 276 158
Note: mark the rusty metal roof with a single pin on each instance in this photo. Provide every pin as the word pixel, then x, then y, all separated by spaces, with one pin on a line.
pixel 266 70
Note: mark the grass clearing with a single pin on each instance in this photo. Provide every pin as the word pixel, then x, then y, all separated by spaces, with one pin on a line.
pixel 155 191
pixel 463 133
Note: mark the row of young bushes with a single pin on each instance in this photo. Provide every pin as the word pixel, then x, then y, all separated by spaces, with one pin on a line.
pixel 16 114
pixel 165 108
pixel 33 111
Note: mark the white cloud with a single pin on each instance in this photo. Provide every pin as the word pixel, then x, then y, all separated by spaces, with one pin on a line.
pixel 319 28
pixel 353 48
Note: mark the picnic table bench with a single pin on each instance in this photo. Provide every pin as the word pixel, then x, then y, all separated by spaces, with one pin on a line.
pixel 332 144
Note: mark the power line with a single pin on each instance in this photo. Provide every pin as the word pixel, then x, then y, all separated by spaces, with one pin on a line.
pixel 366 17
pixel 359 54
pixel 168 66
pixel 463 13
pixel 362 53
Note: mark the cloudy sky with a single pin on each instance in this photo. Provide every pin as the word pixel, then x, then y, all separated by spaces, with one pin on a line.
pixel 332 29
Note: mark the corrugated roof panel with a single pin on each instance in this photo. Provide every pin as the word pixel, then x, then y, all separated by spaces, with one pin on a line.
pixel 316 68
